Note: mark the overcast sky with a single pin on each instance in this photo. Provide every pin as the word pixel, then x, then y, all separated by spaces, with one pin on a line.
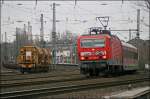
pixel 80 16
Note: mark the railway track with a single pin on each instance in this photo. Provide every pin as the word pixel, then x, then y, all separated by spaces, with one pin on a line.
pixel 8 72
pixel 48 79
pixel 73 76
pixel 15 73
pixel 33 93
pixel 38 75
pixel 12 77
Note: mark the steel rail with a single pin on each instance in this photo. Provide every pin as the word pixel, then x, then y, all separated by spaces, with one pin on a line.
pixel 24 94
pixel 51 80
pixel 26 77
pixel 15 66
pixel 20 74
pixel 32 75
pixel 44 80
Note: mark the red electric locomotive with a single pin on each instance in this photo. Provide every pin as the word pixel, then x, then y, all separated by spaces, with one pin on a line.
pixel 105 53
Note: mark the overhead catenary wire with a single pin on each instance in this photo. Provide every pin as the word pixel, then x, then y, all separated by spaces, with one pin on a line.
pixel 59 12
pixel 79 15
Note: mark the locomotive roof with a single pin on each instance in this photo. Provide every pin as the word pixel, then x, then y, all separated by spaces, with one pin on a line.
pixel 128 45
pixel 87 35
pixel 123 43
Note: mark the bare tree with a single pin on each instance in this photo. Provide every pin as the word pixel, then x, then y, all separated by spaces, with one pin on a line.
pixel 147 2
pixel 145 5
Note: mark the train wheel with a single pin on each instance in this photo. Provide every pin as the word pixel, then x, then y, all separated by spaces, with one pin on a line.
pixel 22 70
pixel 91 73
pixel 121 71
pixel 87 75
pixel 30 70
pixel 96 72
pixel 46 69
pixel 107 73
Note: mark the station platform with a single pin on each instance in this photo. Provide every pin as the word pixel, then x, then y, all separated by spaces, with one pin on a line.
pixel 136 93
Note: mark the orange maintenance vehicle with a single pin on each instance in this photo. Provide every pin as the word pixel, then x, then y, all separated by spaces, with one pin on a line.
pixel 33 58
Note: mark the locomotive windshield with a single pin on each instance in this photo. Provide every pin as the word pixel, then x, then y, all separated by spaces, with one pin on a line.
pixel 92 43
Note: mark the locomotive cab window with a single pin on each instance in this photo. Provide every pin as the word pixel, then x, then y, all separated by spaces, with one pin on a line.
pixel 92 43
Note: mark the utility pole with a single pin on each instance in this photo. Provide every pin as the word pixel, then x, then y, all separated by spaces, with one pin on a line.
pixel 6 57
pixel 16 45
pixel 1 49
pixel 0 40
pixel 149 25
pixel 24 30
pixel 29 33
pixel 149 33
pixel 138 24
pixel 129 34
pixel 137 36
pixel 28 27
pixel 41 30
pixel 54 34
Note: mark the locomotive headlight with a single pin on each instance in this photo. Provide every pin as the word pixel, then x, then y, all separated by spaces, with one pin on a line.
pixel 82 58
pixel 104 57
pixel 103 52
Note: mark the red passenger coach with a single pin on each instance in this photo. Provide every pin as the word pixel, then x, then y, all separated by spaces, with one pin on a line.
pixel 105 53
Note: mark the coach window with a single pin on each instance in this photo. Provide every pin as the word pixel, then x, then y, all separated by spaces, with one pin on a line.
pixel 129 54
pixel 135 55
